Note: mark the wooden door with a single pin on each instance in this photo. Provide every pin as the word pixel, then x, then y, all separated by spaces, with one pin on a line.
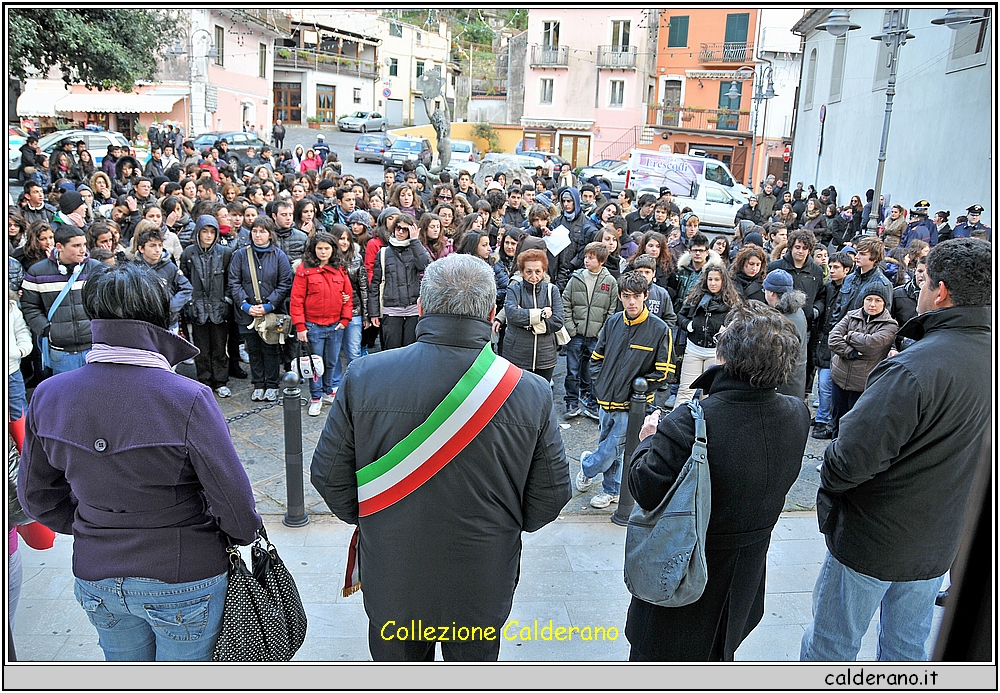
pixel 575 149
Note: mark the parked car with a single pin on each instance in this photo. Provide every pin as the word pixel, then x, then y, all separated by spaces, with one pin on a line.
pixel 370 148
pixel 613 176
pixel 408 148
pixel 712 203
pixel 540 156
pixel 238 143
pixel 456 167
pixel 464 150
pixel 362 121
pixel 97 142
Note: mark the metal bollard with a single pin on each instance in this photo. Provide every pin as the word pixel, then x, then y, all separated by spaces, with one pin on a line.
pixel 296 515
pixel 636 414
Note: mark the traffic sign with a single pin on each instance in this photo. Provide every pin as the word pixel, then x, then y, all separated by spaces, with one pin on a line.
pixel 386 92
pixel 787 153
pixel 822 113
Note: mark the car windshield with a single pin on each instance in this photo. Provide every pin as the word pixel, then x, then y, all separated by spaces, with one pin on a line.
pixel 461 147
pixel 406 146
pixel 359 114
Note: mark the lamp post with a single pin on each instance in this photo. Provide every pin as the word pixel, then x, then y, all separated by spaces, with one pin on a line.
pixel 177 51
pixel 759 94
pixel 894 35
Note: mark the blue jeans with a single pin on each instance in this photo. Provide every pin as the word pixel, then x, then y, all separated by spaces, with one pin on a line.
pixel 63 361
pixel 351 348
pixel 324 340
pixel 17 400
pixel 607 458
pixel 824 386
pixel 844 602
pixel 577 383
pixel 145 620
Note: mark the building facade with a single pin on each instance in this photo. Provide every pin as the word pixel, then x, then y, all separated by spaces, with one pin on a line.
pixel 941 137
pixel 587 80
pixel 408 51
pixel 701 54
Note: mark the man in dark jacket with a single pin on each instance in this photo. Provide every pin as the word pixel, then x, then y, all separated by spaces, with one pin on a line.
pixel 68 331
pixel 870 252
pixel 750 212
pixel 35 208
pixel 444 549
pixel 919 226
pixel 278 135
pixel 840 264
pixel 894 486
pixel 642 215
pixel 288 239
pixel 149 244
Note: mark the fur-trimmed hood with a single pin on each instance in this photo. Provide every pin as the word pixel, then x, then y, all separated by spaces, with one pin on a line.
pixel 713 257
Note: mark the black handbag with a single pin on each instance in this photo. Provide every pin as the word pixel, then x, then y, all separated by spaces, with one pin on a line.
pixel 263 619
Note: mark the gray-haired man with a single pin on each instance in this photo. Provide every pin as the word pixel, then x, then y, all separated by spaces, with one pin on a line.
pixel 457 453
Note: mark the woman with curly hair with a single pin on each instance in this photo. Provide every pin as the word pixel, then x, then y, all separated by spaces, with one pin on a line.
pixel 38 243
pixel 700 319
pixel 447 214
pixel 408 202
pixel 654 244
pixel 747 272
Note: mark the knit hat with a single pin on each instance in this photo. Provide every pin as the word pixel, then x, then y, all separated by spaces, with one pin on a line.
pixel 70 201
pixel 83 186
pixel 753 238
pixel 67 185
pixel 779 281
pixel 388 212
pixel 850 250
pixel 532 243
pixel 878 289
pixel 360 216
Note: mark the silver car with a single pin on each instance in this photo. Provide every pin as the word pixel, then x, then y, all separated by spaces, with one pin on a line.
pixel 613 176
pixel 363 121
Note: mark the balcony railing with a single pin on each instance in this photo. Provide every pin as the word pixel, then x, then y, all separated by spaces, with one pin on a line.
pixel 550 56
pixel 303 58
pixel 726 52
pixel 272 19
pixel 702 119
pixel 617 57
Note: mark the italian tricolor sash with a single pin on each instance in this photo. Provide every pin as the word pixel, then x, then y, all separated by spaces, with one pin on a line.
pixel 451 426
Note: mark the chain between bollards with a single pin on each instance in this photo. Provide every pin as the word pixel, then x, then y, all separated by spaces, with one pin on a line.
pixel 296 515
pixel 636 414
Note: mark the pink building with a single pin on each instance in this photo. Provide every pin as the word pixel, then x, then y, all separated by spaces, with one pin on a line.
pixel 588 79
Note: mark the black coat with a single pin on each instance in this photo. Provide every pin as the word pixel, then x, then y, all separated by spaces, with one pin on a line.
pixel 521 346
pixel 404 266
pixel 705 319
pixel 207 269
pixel 822 356
pixel 274 275
pixel 749 213
pixel 809 280
pixel 449 551
pixel 756 438
pixel 750 287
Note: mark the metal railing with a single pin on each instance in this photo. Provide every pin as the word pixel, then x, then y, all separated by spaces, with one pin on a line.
pixel 550 56
pixel 702 119
pixel 273 19
pixel 621 57
pixel 637 134
pixel 303 58
pixel 726 52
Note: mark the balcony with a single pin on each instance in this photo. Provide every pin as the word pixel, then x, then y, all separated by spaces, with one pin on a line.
pixel 275 20
pixel 305 59
pixel 550 56
pixel 616 57
pixel 726 53
pixel 701 119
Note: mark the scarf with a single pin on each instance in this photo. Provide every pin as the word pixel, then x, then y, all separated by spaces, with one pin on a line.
pixel 107 353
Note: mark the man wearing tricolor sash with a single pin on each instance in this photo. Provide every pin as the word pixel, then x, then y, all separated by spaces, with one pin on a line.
pixel 441 453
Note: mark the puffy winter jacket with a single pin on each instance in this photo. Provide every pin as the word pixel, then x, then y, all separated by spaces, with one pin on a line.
pixel 177 285
pixel 317 297
pixel 396 276
pixel 291 242
pixel 359 284
pixel 585 315
pixel 703 320
pixel 70 326
pixel 207 269
pixel 274 274
pixel 522 346
pixel 859 343
pixel 749 213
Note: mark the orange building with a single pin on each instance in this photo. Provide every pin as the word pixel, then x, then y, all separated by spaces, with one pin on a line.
pixel 699 52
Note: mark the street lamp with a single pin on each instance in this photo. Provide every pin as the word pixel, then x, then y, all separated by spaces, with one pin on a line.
pixel 177 50
pixel 760 93
pixel 894 35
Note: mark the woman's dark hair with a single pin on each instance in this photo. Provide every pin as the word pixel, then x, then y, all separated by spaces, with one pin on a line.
pixel 435 246
pixel 129 291
pixel 338 231
pixel 96 230
pixel 169 204
pixel 469 244
pixel 266 224
pixel 509 231
pixel 747 252
pixel 14 215
pixel 725 250
pixel 600 210
pixel 300 207
pixel 727 293
pixel 309 258
pixel 32 248
pixel 665 262
pixel 757 345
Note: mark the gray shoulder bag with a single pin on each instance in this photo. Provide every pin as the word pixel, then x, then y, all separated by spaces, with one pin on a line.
pixel 665 547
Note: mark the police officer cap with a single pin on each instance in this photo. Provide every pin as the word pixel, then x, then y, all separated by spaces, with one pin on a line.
pixel 975 209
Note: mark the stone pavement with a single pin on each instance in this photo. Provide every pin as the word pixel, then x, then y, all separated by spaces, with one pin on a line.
pixel 571 573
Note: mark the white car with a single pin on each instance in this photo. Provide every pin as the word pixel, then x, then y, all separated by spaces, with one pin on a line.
pixel 464 150
pixel 712 204
pixel 613 176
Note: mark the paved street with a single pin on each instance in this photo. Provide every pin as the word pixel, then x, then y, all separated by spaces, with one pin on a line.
pixel 340 142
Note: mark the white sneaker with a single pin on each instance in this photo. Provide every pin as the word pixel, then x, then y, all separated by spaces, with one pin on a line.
pixel 271 394
pixel 315 407
pixel 223 391
pixel 243 354
pixel 257 395
pixel 583 482
pixel 603 500
pixel 328 399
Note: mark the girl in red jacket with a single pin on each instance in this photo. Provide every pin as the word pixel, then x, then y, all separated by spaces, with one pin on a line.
pixel 321 308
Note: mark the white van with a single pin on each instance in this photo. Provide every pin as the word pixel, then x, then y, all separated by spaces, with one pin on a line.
pixel 682 173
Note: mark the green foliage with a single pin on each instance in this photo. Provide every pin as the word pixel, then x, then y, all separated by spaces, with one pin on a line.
pixel 486 132
pixel 101 48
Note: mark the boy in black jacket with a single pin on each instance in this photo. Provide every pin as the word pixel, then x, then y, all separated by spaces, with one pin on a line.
pixel 631 344
pixel 840 264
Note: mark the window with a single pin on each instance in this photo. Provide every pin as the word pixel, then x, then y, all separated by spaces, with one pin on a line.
pixel 395 30
pixel 393 67
pixel 357 94
pixel 220 44
pixel 716 195
pixel 545 91
pixel 729 121
pixel 619 34
pixel 837 78
pixel 617 93
pixel 678 37
pixel 810 89
pixel 737 27
pixel 550 34
pixel 288 102
pixel 970 44
pixel 420 68
pixel 420 37
pixel 262 60
pixel 326 102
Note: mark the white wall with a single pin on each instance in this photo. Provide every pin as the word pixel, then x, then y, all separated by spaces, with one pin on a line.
pixel 941 135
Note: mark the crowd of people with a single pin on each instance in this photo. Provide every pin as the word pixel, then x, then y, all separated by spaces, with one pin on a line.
pixel 282 254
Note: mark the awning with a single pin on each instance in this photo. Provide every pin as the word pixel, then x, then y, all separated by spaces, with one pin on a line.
pixel 557 124
pixel 39 102
pixel 112 102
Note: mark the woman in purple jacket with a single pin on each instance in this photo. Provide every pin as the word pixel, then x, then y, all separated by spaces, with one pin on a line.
pixel 149 492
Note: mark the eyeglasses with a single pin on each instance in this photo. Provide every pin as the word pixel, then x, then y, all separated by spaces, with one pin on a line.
pixel 699 250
